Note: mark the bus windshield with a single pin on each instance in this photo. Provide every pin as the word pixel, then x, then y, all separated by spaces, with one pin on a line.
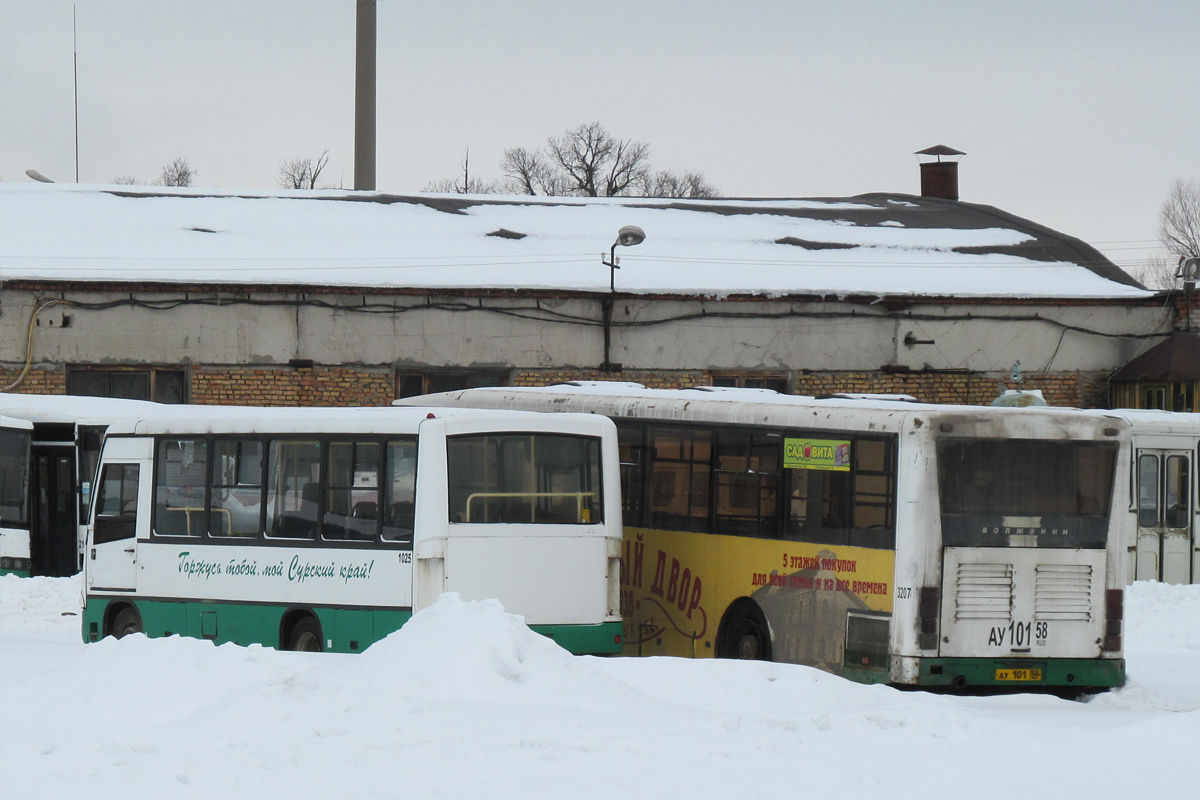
pixel 524 478
pixel 1025 492
pixel 14 477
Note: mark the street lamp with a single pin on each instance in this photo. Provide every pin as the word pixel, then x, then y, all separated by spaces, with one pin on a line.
pixel 626 237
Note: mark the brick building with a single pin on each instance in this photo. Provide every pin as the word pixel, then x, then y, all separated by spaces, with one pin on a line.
pixel 336 298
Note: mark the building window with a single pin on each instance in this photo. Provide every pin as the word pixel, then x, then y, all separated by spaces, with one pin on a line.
pixel 751 380
pixel 411 384
pixel 159 385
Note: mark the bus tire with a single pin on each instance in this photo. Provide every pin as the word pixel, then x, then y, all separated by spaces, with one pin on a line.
pixel 126 621
pixel 305 637
pixel 744 634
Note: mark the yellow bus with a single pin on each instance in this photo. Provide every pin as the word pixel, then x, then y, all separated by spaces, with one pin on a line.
pixel 873 537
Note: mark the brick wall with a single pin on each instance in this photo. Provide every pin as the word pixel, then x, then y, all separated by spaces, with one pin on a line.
pixel 37 381
pixel 1076 389
pixel 344 386
pixel 319 386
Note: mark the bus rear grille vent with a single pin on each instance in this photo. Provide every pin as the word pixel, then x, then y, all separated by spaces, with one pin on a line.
pixel 1063 591
pixel 984 592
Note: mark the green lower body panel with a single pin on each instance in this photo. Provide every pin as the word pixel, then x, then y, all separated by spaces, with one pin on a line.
pixel 343 630
pixel 1052 673
pixel 603 639
pixel 20 573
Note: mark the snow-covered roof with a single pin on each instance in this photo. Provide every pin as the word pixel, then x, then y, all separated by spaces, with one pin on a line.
pixel 876 244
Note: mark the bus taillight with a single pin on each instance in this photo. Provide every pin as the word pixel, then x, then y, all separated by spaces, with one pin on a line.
pixel 1114 613
pixel 928 615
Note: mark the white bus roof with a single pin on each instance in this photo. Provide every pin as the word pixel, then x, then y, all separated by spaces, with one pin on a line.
pixel 1151 421
pixel 266 420
pixel 14 423
pixel 735 406
pixel 62 408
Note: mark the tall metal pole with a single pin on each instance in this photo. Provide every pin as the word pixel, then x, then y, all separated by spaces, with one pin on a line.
pixel 364 97
pixel 75 67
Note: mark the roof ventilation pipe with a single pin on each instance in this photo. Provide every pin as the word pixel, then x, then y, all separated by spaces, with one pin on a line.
pixel 940 178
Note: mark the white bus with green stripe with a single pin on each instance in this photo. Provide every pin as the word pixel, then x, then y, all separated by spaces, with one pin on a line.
pixel 326 529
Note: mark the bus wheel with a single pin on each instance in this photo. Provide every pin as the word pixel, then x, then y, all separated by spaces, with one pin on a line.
pixel 744 634
pixel 306 637
pixel 127 621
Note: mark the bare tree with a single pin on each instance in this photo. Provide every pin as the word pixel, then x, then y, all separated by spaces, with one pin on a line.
pixel 1179 220
pixel 126 180
pixel 585 161
pixel 1157 273
pixel 690 185
pixel 302 173
pixel 465 184
pixel 595 163
pixel 527 172
pixel 178 173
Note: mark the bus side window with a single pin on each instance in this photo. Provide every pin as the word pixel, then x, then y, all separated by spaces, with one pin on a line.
pixel 399 490
pixel 293 489
pixel 235 490
pixel 679 478
pixel 351 490
pixel 117 504
pixel 633 472
pixel 182 466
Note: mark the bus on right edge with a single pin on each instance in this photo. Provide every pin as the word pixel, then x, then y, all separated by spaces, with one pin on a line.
pixel 949 547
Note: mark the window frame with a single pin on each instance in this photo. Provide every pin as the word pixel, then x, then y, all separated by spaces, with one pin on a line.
pixel 262 537
pixel 637 480
pixel 153 375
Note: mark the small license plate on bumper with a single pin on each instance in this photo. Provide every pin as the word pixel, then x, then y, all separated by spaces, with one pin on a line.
pixel 1026 675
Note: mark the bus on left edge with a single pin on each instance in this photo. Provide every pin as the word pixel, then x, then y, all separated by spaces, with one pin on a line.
pixel 67 434
pixel 14 496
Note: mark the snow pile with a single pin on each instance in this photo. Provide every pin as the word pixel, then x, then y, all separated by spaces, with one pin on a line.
pixel 32 606
pixel 475 650
pixel 465 701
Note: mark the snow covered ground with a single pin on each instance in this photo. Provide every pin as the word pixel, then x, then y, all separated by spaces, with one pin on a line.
pixel 465 702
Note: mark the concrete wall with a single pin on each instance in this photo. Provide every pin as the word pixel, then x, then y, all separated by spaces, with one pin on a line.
pixel 820 345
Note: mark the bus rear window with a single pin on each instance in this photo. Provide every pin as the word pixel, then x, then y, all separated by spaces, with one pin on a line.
pixel 524 478
pixel 1001 492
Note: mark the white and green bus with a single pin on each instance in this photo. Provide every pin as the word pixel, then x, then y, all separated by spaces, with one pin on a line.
pixel 325 529
pixel 14 496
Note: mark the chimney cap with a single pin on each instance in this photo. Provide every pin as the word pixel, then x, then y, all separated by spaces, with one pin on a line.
pixel 939 150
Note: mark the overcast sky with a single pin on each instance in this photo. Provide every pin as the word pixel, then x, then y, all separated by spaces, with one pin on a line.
pixel 1077 114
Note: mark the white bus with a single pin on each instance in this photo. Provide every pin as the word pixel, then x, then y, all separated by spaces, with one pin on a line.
pixel 67 433
pixel 14 496
pixel 325 529
pixel 1160 522
pixel 883 540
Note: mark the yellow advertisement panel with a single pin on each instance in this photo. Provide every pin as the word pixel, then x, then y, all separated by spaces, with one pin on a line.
pixel 677 586
pixel 828 454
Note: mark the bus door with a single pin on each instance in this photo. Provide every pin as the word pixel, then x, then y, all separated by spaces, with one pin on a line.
pixel 1164 516
pixel 53 543
pixel 112 546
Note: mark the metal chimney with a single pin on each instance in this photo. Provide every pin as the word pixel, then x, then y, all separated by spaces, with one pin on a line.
pixel 940 178
pixel 364 96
